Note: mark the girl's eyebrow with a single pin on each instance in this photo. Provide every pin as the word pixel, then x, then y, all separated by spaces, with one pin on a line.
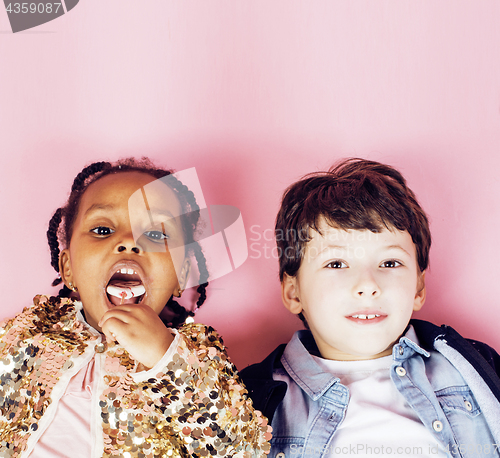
pixel 156 213
pixel 97 207
pixel 164 217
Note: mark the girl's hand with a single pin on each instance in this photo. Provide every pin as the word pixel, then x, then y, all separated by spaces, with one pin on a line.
pixel 139 330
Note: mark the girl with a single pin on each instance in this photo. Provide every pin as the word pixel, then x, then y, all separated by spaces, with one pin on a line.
pixel 95 372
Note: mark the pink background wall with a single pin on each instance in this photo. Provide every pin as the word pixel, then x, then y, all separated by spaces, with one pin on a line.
pixel 254 94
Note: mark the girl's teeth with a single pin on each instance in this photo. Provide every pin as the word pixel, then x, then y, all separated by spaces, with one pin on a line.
pixel 124 270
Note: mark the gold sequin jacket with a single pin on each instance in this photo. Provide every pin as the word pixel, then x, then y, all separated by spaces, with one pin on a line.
pixel 193 405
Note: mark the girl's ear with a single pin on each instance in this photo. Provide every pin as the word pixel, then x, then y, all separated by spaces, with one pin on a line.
pixel 65 267
pixel 421 292
pixel 290 294
pixel 183 276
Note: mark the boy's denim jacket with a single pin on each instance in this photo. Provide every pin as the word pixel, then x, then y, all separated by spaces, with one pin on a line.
pixel 451 383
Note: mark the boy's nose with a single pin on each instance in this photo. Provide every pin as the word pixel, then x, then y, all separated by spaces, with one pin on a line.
pixel 369 292
pixel 367 287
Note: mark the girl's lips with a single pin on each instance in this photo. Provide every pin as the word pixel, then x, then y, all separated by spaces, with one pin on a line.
pixel 122 271
pixel 129 266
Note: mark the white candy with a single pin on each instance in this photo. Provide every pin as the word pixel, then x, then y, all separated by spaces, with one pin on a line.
pixel 130 291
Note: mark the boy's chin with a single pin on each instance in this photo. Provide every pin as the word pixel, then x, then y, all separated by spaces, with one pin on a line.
pixel 359 354
pixel 371 356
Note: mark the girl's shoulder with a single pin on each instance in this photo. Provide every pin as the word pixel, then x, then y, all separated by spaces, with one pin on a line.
pixel 203 344
pixel 48 317
pixel 201 336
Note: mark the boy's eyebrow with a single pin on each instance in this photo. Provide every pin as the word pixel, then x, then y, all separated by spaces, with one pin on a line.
pixel 342 247
pixel 329 246
pixel 398 247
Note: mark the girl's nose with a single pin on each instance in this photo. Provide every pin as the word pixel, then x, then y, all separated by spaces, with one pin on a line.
pixel 127 243
pixel 134 249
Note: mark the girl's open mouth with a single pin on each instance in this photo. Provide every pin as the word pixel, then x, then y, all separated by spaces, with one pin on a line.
pixel 125 287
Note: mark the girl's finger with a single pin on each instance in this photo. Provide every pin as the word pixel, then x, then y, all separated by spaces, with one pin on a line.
pixel 114 328
pixel 122 315
pixel 110 336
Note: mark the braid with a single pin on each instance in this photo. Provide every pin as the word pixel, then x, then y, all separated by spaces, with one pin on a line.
pixel 69 211
pixel 194 215
pixel 202 267
pixel 87 172
pixel 54 242
pixel 94 171
pixel 64 291
pixel 190 219
pixel 180 313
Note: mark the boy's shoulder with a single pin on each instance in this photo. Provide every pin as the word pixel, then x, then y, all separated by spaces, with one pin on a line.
pixel 483 358
pixel 427 333
pixel 267 393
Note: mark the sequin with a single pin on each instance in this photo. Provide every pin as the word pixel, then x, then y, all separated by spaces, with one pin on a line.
pixel 100 348
pixel 196 406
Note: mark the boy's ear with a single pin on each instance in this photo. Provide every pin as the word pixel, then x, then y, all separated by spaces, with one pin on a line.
pixel 290 294
pixel 65 267
pixel 421 292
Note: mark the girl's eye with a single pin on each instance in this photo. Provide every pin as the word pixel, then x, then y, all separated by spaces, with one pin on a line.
pixel 102 230
pixel 156 235
pixel 391 264
pixel 337 265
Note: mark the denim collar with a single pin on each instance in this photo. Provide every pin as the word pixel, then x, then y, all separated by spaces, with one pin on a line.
pixel 300 365
pixel 407 346
pixel 302 368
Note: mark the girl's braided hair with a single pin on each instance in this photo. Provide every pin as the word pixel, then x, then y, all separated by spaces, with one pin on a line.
pixel 62 222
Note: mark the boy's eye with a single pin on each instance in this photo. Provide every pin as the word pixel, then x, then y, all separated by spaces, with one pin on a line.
pixel 102 230
pixel 156 235
pixel 337 265
pixel 391 263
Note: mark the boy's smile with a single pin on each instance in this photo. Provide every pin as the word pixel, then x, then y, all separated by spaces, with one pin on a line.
pixel 104 258
pixel 357 290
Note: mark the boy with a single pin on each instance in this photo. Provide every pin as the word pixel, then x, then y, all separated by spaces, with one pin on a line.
pixel 363 379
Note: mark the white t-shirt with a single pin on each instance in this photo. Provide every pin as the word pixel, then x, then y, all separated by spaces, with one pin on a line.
pixel 378 419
